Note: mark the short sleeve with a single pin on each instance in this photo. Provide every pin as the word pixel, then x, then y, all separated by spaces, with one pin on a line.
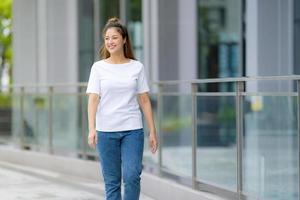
pixel 142 82
pixel 94 82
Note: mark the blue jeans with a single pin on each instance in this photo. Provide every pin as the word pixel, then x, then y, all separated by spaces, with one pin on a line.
pixel 121 150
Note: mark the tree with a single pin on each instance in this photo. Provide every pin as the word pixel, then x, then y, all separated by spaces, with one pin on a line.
pixel 5 35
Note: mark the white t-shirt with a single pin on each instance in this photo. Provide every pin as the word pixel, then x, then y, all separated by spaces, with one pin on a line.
pixel 118 86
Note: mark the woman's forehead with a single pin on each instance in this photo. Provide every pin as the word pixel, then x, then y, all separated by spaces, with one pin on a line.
pixel 112 31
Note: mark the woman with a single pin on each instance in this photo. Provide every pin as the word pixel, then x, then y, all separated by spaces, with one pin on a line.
pixel 117 88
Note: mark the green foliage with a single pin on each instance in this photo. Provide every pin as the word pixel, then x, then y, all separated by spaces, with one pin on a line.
pixel 5 8
pixel 135 10
pixel 5 33
pixel 173 123
pixel 227 114
pixel 39 102
pixel 5 101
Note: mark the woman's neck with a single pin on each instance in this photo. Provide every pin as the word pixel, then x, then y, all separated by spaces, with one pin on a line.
pixel 117 59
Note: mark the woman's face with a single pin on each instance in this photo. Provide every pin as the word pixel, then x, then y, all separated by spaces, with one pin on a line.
pixel 113 41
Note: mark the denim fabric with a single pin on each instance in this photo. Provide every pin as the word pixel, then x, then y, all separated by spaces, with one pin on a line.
pixel 121 150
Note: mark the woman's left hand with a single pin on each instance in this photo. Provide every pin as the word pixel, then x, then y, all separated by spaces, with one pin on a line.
pixel 153 141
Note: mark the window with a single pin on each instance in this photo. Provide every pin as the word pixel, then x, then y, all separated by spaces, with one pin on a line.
pixel 86 38
pixel 219 41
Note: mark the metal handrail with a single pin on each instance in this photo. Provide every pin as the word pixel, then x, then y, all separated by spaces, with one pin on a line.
pixel 79 84
pixel 170 82
pixel 224 80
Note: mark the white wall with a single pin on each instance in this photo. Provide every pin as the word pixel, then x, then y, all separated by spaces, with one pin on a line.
pixel 269 40
pixel 24 42
pixel 187 39
pixel 45 41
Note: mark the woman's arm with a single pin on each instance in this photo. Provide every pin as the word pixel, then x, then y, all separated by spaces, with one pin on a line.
pixel 145 105
pixel 92 109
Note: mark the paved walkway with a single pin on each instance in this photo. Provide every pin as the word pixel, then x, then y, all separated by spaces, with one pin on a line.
pixel 27 183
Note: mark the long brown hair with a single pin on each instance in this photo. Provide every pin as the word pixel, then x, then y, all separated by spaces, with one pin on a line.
pixel 127 48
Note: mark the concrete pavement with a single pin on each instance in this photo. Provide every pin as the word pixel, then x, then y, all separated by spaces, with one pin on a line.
pixel 19 182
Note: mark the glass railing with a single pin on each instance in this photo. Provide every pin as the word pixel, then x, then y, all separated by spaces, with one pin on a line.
pixel 216 140
pixel 271 158
pixel 239 144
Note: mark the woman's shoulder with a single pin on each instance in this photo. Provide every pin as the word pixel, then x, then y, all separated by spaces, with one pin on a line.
pixel 137 63
pixel 98 64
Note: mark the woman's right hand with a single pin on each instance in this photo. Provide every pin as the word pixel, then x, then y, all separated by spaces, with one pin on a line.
pixel 92 138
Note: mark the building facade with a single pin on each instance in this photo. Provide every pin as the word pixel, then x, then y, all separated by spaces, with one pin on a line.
pixel 57 41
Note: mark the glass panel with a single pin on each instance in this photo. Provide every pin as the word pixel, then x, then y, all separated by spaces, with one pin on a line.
pixel 66 124
pixel 34 126
pixel 5 118
pixel 216 152
pixel 41 106
pixel 30 122
pixel 219 48
pixel 176 127
pixel 271 147
pixel 16 126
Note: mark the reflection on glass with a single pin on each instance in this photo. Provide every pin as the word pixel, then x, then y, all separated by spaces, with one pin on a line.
pixel 270 147
pixel 41 109
pixel 29 123
pixel 176 130
pixel 216 152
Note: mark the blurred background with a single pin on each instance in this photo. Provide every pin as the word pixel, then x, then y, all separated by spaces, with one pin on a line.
pixel 57 41
pixel 229 136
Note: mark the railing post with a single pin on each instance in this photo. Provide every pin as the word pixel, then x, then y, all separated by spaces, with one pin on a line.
pixel 194 87
pixel 159 119
pixel 50 125
pixel 36 121
pixel 22 134
pixel 239 136
pixel 298 108
pixel 83 123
